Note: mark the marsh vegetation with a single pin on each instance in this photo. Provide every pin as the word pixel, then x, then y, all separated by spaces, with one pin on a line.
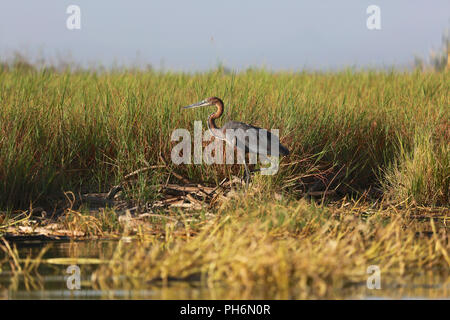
pixel 367 181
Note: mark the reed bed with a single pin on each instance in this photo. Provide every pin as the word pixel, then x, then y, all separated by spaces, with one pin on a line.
pixel 83 131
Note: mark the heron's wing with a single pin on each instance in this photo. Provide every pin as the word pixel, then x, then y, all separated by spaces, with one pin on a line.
pixel 264 138
pixel 242 142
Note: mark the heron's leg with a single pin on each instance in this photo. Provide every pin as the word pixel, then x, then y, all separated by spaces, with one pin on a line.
pixel 247 173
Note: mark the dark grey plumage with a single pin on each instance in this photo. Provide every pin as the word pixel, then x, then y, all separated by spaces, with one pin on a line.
pixel 265 143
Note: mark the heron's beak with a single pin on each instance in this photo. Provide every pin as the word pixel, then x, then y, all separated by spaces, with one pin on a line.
pixel 203 103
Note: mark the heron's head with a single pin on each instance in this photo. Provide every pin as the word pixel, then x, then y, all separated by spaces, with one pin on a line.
pixel 204 103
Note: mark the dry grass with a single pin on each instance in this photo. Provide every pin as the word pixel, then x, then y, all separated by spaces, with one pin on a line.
pixel 258 246
pixel 284 250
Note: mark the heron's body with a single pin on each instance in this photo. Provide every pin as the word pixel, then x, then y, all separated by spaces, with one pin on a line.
pixel 263 146
pixel 263 143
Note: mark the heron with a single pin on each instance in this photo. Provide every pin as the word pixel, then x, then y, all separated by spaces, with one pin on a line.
pixel 260 146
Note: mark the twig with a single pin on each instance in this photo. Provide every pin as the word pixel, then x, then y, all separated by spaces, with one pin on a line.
pixel 143 170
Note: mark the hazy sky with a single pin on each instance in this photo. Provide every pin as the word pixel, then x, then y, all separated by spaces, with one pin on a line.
pixel 197 34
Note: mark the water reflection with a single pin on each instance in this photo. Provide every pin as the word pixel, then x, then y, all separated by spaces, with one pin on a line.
pixel 49 280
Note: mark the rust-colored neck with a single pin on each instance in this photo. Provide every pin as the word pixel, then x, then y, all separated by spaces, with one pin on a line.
pixel 215 115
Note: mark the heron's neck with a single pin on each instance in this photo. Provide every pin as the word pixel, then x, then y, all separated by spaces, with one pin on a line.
pixel 212 120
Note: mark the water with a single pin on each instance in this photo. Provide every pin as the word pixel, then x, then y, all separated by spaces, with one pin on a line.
pixel 51 279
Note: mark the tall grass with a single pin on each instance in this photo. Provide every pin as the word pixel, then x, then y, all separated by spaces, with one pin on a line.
pixel 84 130
pixel 421 175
